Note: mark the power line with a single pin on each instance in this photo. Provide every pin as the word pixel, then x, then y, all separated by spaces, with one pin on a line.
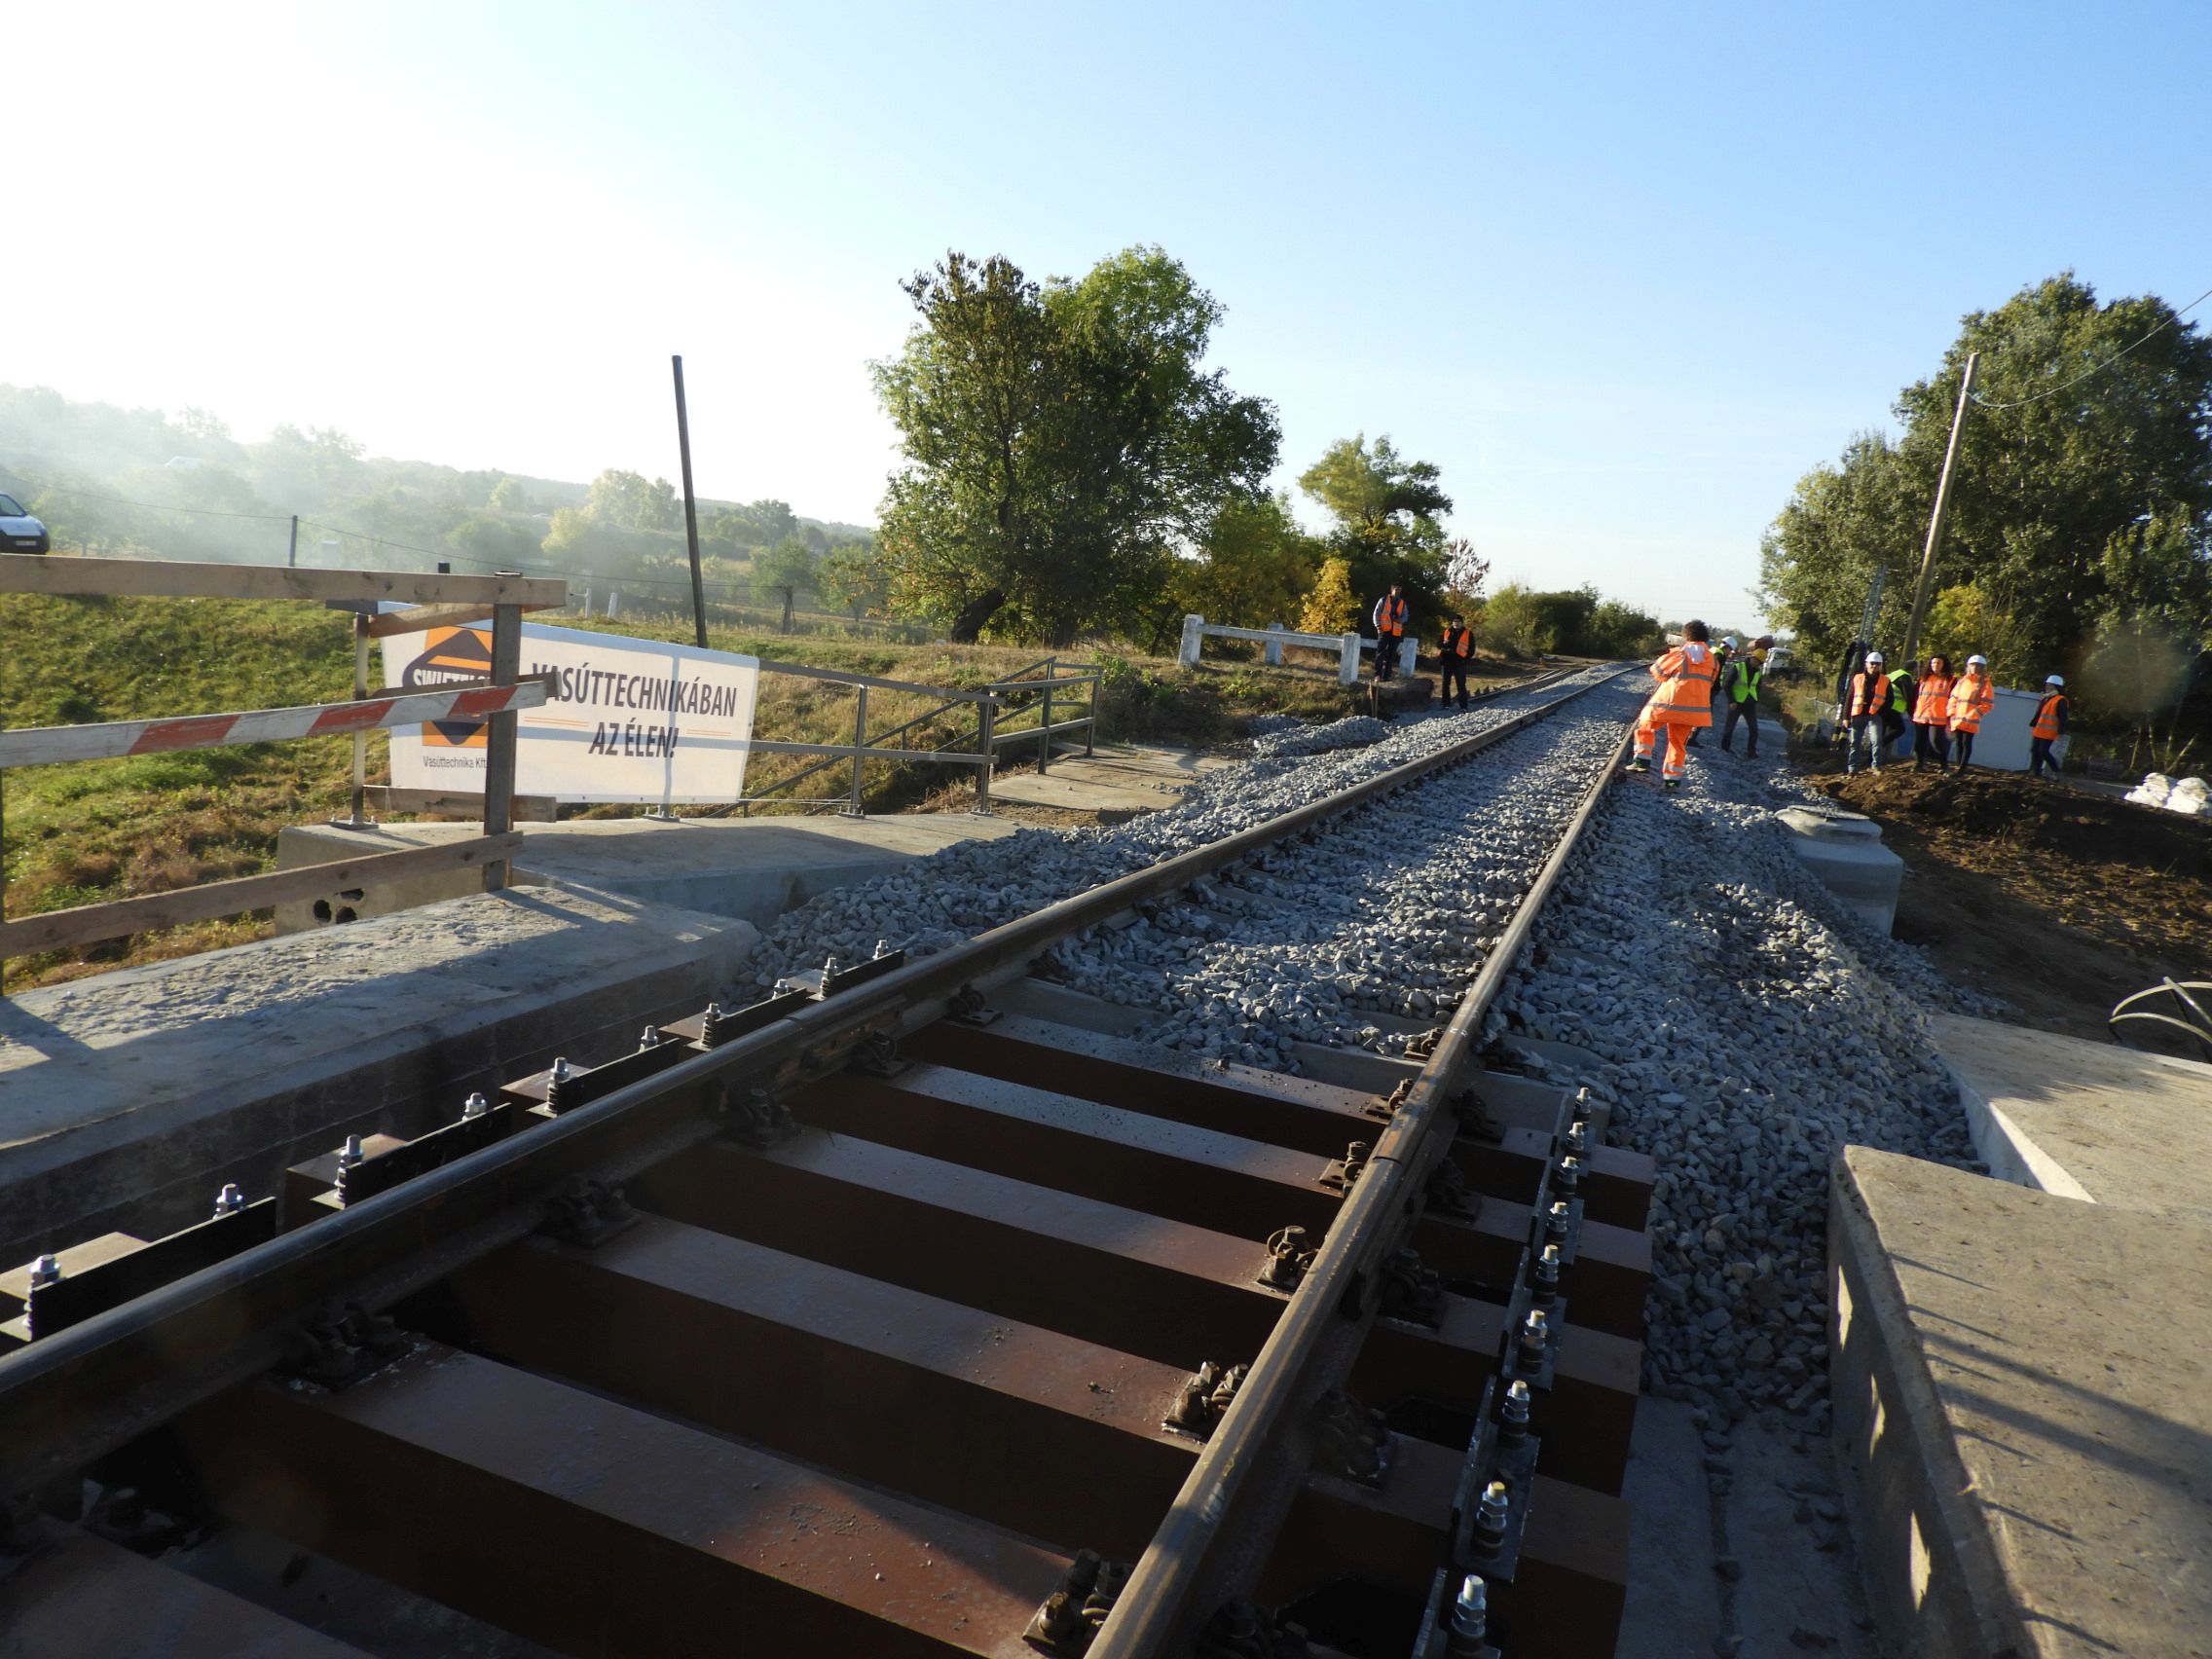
pixel 2099 368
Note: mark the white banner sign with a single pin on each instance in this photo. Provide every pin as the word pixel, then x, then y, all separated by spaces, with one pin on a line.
pixel 629 719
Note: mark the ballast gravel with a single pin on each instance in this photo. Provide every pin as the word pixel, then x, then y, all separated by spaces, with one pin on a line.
pixel 1356 732
pixel 1739 1022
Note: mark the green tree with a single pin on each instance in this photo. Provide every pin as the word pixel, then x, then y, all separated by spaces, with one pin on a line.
pixel 786 568
pixel 1509 625
pixel 508 497
pixel 2091 425
pixel 1061 441
pixel 853 574
pixel 1253 566
pixel 1331 608
pixel 1385 510
pixel 629 501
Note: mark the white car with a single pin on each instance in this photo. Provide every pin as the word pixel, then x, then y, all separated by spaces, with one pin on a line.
pixel 19 532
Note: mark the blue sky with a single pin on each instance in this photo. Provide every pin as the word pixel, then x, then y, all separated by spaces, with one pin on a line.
pixel 1623 271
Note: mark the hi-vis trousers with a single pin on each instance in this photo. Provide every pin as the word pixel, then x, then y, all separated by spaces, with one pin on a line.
pixel 1677 765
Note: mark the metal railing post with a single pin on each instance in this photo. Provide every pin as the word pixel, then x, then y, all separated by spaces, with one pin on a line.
pixel 1090 715
pixel 1045 737
pixel 988 745
pixel 500 741
pixel 860 744
pixel 357 817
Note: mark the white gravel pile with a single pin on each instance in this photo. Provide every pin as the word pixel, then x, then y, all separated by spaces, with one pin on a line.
pixel 951 896
pixel 1355 732
pixel 1746 1026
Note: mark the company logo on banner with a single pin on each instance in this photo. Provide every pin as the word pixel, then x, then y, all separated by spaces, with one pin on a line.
pixel 628 720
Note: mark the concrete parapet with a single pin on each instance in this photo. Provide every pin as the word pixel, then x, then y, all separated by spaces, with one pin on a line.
pixel 2020 1414
pixel 1845 850
pixel 138 1093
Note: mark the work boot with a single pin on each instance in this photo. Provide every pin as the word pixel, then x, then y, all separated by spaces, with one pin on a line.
pixel 1640 764
pixel 1673 783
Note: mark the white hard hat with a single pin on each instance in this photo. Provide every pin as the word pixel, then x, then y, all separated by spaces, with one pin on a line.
pixel 1875 656
pixel 2054 680
pixel 1978 661
pixel 1730 642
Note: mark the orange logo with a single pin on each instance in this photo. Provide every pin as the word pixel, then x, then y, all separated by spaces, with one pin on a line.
pixel 450 656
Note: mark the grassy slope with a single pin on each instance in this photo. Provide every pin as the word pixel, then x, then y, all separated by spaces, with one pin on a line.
pixel 90 830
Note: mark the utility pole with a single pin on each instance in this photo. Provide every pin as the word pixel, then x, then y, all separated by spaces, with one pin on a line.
pixel 292 553
pixel 691 507
pixel 1936 519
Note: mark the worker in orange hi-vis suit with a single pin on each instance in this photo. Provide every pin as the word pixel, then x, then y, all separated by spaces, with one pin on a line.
pixel 1682 704
pixel 1971 698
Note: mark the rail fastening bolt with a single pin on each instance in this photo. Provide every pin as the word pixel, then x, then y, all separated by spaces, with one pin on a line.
pixel 475 1106
pixel 1546 1275
pixel 829 972
pixel 47 1270
pixel 883 947
pixel 350 1154
pixel 1494 1513
pixel 1569 1174
pixel 1578 1137
pixel 1534 1335
pixel 1556 1218
pixel 1513 1415
pixel 230 1199
pixel 648 1039
pixel 1470 1613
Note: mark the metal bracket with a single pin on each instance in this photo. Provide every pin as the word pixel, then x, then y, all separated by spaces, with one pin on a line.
pixel 878 1055
pixel 968 1007
pixel 340 1345
pixel 587 1213
pixel 1344 1171
pixel 1387 1107
pixel 1475 1120
pixel 1067 1619
pixel 1448 1192
pixel 1412 1290
pixel 1242 1630
pixel 761 1120
pixel 1351 1441
pixel 1204 1400
pixel 1423 1045
pixel 1289 1257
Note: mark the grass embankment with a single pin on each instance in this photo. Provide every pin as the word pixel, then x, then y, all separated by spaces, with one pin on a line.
pixel 92 830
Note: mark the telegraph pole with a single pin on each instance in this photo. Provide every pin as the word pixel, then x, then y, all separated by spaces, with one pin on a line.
pixel 691 508
pixel 1936 519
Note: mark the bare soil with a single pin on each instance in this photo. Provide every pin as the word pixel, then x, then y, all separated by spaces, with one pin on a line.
pixel 2059 901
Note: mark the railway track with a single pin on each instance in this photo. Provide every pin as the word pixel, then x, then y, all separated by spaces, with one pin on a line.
pixel 909 1311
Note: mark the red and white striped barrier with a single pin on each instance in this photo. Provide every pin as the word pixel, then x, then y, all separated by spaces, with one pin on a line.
pixel 37 746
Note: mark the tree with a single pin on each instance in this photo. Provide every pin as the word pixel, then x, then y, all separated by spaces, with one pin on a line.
pixel 1252 568
pixel 627 501
pixel 2091 425
pixel 853 574
pixel 1332 608
pixel 1509 623
pixel 1464 572
pixel 508 497
pixel 786 568
pixel 1617 630
pixel 1061 441
pixel 1385 511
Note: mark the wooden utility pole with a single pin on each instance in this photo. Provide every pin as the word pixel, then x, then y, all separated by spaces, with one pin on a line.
pixel 1936 519
pixel 691 508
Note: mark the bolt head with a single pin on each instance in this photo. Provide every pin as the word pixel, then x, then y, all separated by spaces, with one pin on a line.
pixel 351 1152
pixel 1537 1329
pixel 476 1105
pixel 715 1009
pixel 561 1069
pixel 47 1270
pixel 648 1038
pixel 230 1199
pixel 883 947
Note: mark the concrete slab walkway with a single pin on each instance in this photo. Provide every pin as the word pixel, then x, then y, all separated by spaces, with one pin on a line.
pixel 1123 778
pixel 2084 1120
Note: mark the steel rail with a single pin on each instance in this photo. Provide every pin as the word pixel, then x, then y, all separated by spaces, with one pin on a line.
pixel 83 1391
pixel 1181 1577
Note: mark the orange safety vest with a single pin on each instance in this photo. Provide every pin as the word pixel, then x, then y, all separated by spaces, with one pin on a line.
pixel 1934 707
pixel 1870 694
pixel 1971 698
pixel 1456 642
pixel 2046 724
pixel 1685 690
pixel 1389 615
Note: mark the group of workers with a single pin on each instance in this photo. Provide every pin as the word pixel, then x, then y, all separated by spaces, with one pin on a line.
pixel 1944 710
pixel 1690 676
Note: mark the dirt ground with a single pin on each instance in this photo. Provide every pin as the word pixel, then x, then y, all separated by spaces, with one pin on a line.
pixel 2059 901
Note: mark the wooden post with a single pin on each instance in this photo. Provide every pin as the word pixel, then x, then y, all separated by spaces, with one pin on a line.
pixel 357 817
pixel 859 762
pixel 1090 722
pixel 987 746
pixel 292 553
pixel 1936 518
pixel 500 741
pixel 1045 742
pixel 690 510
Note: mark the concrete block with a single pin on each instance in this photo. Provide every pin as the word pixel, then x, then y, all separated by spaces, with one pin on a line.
pixel 135 1095
pixel 1845 850
pixel 2020 1416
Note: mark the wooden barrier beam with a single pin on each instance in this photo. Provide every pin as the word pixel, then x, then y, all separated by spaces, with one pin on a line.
pixel 459 803
pixel 89 923
pixel 471 700
pixel 166 578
